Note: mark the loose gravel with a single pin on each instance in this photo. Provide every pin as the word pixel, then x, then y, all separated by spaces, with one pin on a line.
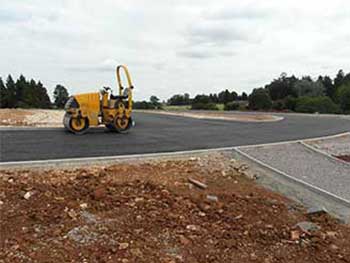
pixel 337 146
pixel 305 164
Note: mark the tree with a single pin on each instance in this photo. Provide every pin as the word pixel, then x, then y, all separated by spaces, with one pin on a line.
pixel 343 96
pixel 201 99
pixel 44 99
pixel 328 85
pixel 60 95
pixel 339 79
pixel 154 101
pixel 244 96
pixel 308 88
pixel 21 86
pixel 3 95
pixel 11 92
pixel 180 99
pixel 282 87
pixel 260 100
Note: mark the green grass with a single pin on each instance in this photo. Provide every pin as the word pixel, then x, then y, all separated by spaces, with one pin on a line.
pixel 176 108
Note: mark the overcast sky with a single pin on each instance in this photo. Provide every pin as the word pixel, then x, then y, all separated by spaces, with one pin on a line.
pixel 173 46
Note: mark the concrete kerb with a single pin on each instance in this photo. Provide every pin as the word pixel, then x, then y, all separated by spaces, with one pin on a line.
pixel 295 180
pixel 295 189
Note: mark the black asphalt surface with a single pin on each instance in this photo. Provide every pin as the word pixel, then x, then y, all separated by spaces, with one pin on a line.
pixel 161 133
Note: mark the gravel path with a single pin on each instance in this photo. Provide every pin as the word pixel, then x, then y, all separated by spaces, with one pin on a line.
pixel 304 164
pixel 334 146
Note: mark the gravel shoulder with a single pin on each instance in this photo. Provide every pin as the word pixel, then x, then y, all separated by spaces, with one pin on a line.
pixel 147 211
pixel 337 146
pixel 307 165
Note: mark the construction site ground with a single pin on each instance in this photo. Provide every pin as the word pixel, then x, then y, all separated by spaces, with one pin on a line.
pixel 149 211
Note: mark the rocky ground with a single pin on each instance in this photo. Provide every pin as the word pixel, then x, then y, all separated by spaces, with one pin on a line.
pixel 149 211
pixel 31 117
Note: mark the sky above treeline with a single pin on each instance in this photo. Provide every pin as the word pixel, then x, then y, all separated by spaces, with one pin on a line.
pixel 173 46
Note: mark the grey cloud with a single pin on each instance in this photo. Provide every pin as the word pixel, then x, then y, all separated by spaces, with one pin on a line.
pixel 215 35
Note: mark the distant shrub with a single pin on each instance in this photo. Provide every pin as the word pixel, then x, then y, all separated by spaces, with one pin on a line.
pixel 290 103
pixel 231 106
pixel 204 106
pixel 320 104
pixel 278 105
pixel 260 100
pixel 343 96
pixel 144 105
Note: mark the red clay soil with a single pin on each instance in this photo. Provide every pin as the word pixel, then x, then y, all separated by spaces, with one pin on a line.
pixel 148 212
pixel 344 157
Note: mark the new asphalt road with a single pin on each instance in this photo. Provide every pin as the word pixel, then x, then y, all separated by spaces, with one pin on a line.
pixel 161 133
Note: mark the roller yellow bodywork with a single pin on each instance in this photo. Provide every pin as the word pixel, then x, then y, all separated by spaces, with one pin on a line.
pixel 93 109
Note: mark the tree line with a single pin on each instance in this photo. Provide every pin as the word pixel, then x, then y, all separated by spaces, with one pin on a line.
pixel 24 93
pixel 323 95
pixel 286 93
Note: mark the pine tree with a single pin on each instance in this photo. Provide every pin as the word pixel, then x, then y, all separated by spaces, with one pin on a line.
pixel 11 92
pixel 3 95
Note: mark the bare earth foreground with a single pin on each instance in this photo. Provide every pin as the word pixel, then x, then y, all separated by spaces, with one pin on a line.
pixel 148 211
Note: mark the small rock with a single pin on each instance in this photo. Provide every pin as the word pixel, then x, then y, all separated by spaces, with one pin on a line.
pixel 202 214
pixel 72 214
pixel 123 246
pixel 27 195
pixel 1 202
pixel 139 199
pixel 191 227
pixel 295 235
pixel 239 217
pixel 83 205
pixel 184 241
pixel 212 198
pixel 99 193
pixel 333 247
pixel 316 211
pixel 331 234
pixel 306 226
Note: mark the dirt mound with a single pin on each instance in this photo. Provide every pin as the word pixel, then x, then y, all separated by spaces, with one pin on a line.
pixel 149 212
pixel 31 117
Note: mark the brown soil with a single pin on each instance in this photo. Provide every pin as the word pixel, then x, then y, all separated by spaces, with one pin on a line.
pixel 344 157
pixel 14 117
pixel 148 212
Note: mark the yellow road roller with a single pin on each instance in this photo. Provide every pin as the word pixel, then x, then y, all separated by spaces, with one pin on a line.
pixel 101 108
